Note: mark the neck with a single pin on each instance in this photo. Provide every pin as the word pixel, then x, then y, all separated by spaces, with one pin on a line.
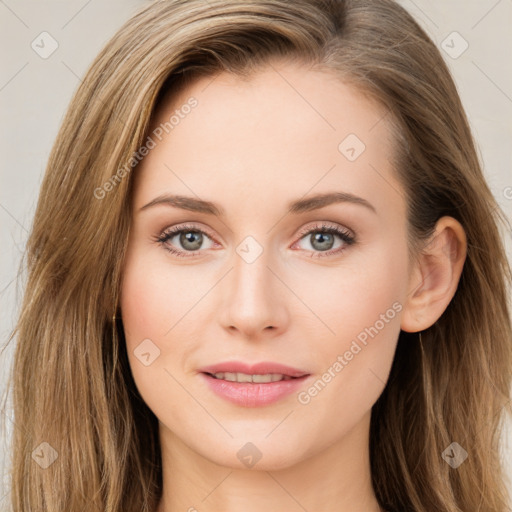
pixel 336 479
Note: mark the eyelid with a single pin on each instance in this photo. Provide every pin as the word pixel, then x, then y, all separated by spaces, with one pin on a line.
pixel 188 227
pixel 321 225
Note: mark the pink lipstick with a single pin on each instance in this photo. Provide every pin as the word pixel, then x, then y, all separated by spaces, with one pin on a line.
pixel 253 385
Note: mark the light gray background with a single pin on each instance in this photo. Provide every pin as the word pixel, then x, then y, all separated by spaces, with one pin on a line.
pixel 35 92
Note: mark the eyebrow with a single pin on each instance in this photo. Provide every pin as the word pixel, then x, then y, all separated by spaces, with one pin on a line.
pixel 295 207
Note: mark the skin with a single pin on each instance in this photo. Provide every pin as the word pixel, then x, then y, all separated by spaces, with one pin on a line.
pixel 251 147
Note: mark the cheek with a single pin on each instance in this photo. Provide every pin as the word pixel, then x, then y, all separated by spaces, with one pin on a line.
pixel 368 284
pixel 154 298
pixel 142 309
pixel 159 310
pixel 147 300
pixel 359 306
pixel 361 309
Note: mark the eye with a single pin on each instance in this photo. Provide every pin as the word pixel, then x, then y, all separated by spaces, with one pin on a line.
pixel 189 237
pixel 322 239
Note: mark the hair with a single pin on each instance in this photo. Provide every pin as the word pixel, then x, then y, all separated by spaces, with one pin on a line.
pixel 72 384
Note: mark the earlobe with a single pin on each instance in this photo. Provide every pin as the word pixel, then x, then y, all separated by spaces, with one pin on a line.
pixel 434 279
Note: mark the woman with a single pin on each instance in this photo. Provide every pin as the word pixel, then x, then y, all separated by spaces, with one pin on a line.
pixel 265 271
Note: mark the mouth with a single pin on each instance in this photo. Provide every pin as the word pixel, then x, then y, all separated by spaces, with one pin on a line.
pixel 253 389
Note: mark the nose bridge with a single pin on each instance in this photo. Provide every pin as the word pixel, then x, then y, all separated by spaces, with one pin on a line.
pixel 253 301
pixel 251 275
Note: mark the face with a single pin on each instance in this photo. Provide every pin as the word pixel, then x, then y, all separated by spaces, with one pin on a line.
pixel 266 274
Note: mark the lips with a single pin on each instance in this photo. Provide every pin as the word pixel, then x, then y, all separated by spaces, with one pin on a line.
pixel 250 393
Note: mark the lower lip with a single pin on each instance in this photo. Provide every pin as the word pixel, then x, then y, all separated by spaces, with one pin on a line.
pixel 248 394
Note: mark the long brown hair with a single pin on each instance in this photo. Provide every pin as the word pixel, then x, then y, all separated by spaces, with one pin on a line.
pixel 72 386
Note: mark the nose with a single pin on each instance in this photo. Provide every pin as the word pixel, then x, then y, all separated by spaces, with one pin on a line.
pixel 254 304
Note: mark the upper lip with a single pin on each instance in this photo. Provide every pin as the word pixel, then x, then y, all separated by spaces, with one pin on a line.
pixel 263 368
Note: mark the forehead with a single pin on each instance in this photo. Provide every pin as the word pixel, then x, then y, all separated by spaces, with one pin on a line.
pixel 305 96
pixel 287 126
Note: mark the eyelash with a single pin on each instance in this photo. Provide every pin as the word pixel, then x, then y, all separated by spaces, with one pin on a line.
pixel 344 235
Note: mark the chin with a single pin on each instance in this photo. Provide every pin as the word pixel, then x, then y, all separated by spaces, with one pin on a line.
pixel 256 455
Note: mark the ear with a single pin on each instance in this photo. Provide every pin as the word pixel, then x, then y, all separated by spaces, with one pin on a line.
pixel 434 278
